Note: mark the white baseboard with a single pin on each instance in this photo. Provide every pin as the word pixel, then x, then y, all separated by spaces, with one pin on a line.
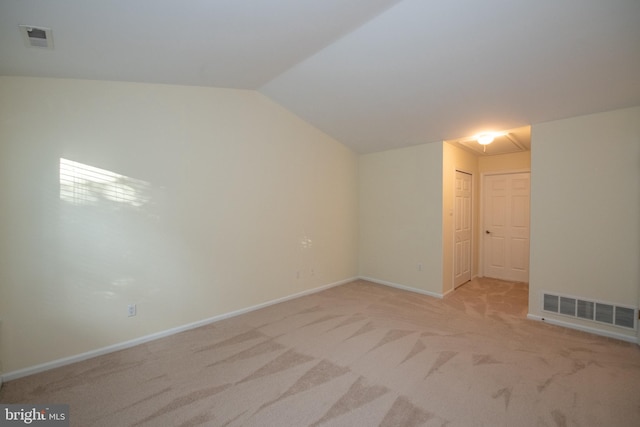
pixel 151 337
pixel 448 292
pixel 595 331
pixel 403 287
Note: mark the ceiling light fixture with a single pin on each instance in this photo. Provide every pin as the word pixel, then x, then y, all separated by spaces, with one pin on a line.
pixel 485 138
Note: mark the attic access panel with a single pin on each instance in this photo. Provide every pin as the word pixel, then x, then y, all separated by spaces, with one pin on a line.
pixel 503 144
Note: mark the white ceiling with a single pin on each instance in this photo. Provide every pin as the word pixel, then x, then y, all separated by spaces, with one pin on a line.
pixel 374 74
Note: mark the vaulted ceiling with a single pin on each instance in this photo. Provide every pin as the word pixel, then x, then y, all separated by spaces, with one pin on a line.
pixel 374 74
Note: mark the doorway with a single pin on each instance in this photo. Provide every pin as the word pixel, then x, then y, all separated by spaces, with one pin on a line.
pixel 462 228
pixel 506 226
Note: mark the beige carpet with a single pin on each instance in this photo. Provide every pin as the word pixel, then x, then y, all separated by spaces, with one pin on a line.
pixel 358 355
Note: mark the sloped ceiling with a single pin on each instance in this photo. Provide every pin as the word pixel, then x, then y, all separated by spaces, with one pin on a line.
pixel 374 74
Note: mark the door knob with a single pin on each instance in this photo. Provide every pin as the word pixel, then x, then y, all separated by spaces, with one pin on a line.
pixel 487 231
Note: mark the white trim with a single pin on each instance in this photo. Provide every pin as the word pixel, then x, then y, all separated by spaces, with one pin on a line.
pixel 403 287
pixel 450 291
pixel 151 337
pixel 622 337
pixel 506 171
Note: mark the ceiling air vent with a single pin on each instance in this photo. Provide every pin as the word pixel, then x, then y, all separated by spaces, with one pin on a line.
pixel 37 36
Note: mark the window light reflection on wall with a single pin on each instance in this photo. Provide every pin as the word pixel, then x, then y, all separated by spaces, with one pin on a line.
pixel 82 184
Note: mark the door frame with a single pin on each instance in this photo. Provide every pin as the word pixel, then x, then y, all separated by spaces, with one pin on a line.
pixel 481 213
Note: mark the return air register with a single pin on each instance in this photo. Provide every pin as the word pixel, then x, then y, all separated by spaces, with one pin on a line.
pixel 596 311
pixel 37 36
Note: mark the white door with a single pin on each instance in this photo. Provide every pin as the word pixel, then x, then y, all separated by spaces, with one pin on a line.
pixel 462 232
pixel 506 226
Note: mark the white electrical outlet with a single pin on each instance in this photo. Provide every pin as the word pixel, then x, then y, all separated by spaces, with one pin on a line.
pixel 132 310
pixel 419 267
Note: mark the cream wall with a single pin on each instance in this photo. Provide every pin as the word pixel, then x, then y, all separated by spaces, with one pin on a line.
pixel 585 211
pixel 400 204
pixel 246 204
pixel 453 159
pixel 505 162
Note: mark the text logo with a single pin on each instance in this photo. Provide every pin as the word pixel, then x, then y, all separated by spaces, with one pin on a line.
pixel 34 415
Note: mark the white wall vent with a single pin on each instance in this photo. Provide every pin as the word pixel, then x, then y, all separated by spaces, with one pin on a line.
pixel 37 36
pixel 596 311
